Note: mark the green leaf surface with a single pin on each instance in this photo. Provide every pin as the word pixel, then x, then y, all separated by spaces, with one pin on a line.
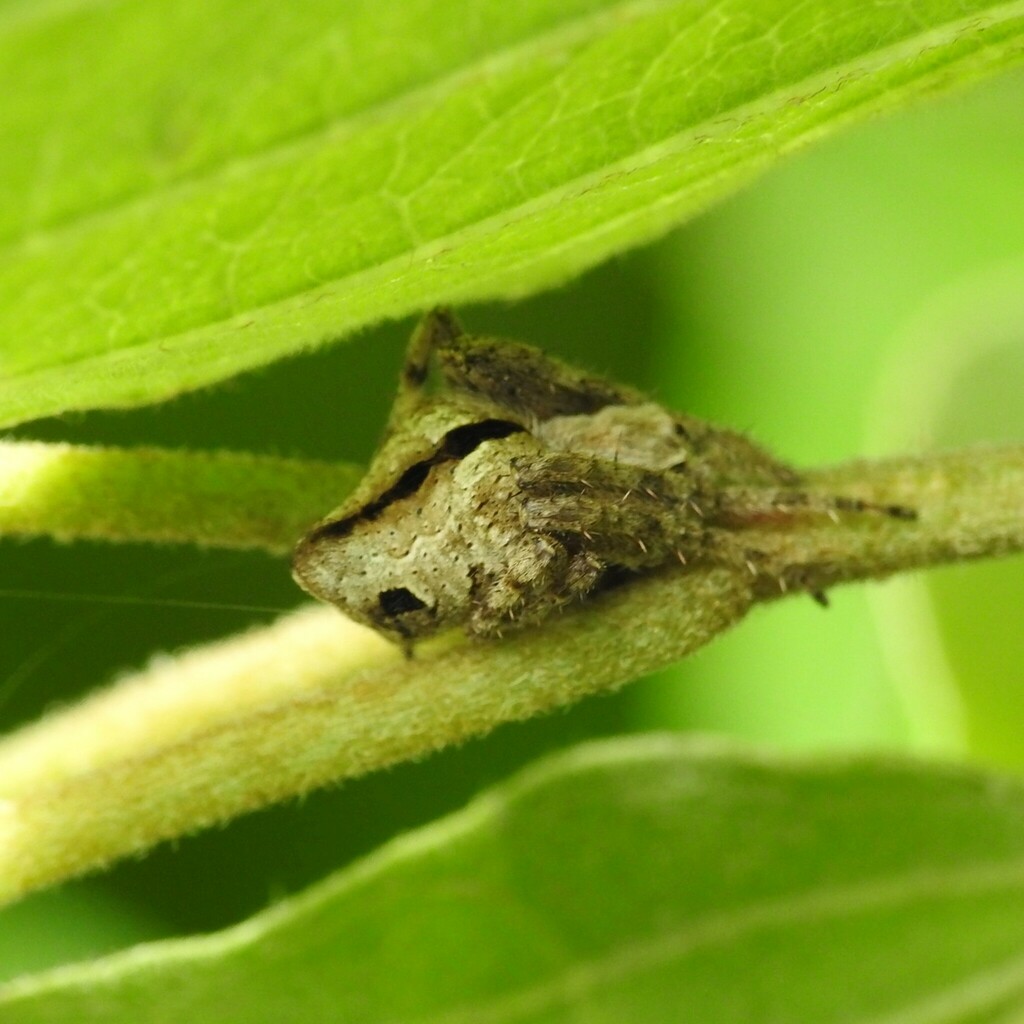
pixel 189 190
pixel 649 879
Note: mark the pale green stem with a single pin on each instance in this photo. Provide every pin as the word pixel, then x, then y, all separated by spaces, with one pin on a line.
pixel 265 716
pixel 220 499
pixel 969 504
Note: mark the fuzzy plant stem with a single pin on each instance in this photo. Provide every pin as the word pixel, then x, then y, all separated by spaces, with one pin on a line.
pixel 227 728
pixel 215 499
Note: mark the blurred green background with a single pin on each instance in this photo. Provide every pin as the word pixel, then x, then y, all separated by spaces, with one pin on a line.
pixel 865 298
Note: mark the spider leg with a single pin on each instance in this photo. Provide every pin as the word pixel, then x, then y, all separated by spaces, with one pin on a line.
pixel 740 508
pixel 736 510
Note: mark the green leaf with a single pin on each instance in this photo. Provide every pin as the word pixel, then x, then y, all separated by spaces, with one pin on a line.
pixel 649 879
pixel 193 189
pixel 68 924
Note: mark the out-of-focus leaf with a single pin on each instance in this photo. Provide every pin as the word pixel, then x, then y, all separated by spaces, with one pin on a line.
pixel 641 879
